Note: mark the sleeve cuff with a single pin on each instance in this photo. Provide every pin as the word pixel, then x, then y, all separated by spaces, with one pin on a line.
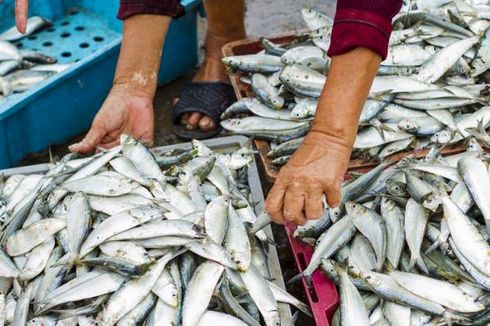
pixel 171 8
pixel 354 28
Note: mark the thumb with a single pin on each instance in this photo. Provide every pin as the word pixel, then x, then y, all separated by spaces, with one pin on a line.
pixel 21 9
pixel 90 142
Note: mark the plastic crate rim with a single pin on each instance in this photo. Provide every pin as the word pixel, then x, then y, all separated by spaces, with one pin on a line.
pixel 11 106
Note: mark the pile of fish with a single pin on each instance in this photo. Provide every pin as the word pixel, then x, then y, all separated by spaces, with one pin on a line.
pixel 128 238
pixel 431 89
pixel 409 245
pixel 21 70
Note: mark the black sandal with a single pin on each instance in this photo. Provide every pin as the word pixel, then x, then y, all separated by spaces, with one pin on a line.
pixel 210 99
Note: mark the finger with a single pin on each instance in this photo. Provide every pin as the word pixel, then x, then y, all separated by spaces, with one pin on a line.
pixel 194 119
pixel 110 145
pixel 90 142
pixel 333 195
pixel 274 203
pixel 21 9
pixel 313 204
pixel 206 124
pixel 146 140
pixel 294 202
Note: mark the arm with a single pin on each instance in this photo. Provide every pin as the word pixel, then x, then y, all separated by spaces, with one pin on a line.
pixel 141 51
pixel 318 166
pixel 129 105
pixel 359 42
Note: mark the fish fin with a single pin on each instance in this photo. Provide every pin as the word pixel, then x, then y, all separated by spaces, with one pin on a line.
pixel 450 317
pixel 300 276
pixel 295 278
pixel 295 317
pixel 304 308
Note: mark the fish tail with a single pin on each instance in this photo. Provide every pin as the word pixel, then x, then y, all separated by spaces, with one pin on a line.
pixel 433 247
pixel 411 263
pixel 450 317
pixel 296 278
pixel 304 309
pixel 421 265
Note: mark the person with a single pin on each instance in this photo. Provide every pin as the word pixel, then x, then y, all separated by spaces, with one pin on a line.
pixel 359 42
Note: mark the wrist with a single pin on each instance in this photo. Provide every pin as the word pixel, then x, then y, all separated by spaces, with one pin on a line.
pixel 137 85
pixel 123 88
pixel 325 138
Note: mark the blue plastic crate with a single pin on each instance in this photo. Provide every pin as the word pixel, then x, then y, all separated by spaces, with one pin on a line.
pixel 85 32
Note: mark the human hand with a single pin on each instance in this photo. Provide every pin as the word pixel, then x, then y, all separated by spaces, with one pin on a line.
pixel 21 10
pixel 124 111
pixel 317 168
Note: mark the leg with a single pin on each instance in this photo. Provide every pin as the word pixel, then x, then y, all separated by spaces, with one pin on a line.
pixel 225 24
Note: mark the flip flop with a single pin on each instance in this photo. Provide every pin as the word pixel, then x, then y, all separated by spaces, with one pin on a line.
pixel 210 99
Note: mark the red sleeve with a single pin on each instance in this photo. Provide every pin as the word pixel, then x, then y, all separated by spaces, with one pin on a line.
pixel 128 8
pixel 363 23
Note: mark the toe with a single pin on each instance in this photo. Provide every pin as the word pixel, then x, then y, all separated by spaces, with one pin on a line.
pixel 206 124
pixel 194 119
pixel 184 118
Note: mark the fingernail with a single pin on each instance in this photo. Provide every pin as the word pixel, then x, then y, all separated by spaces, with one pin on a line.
pixel 72 147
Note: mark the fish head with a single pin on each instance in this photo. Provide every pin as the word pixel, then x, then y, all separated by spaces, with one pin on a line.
pixel 308 13
pixel 36 322
pixel 300 111
pixel 242 262
pixel 130 183
pixel 388 203
pixel 354 209
pixel 128 140
pixel 374 279
pixel 408 125
pixel 442 137
pixel 202 149
pixel 329 267
pixel 273 318
pixel 396 188
pixel 335 213
pixel 277 102
pixel 474 146
pixel 239 159
pixel 230 61
pixel 42 321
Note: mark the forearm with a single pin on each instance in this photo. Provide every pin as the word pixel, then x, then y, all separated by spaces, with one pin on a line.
pixel 348 83
pixel 141 51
